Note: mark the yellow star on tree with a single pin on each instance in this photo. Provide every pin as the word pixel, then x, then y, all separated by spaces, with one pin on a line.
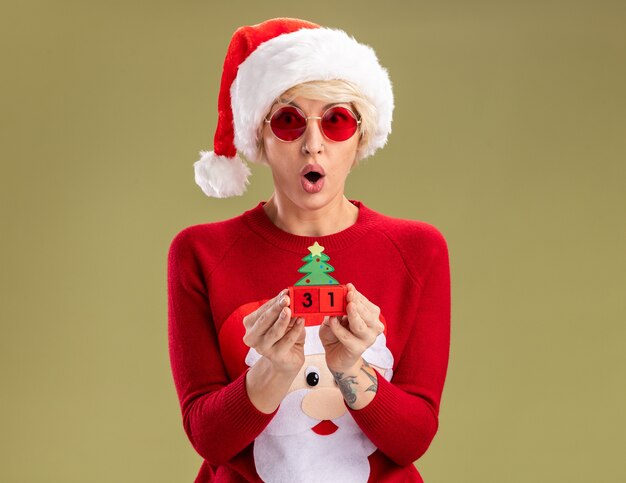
pixel 316 249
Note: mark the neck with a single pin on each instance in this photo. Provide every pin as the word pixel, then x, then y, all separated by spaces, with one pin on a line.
pixel 326 220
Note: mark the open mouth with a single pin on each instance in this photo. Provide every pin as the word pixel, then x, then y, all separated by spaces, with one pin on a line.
pixel 313 176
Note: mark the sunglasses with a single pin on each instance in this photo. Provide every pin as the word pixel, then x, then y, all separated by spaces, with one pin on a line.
pixel 288 123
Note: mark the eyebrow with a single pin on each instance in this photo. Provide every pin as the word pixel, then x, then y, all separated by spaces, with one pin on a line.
pixel 323 108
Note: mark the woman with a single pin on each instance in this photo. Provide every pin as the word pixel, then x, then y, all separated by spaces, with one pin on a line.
pixel 268 394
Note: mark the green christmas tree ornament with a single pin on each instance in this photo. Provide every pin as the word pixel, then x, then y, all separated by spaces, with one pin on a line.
pixel 316 268
pixel 317 294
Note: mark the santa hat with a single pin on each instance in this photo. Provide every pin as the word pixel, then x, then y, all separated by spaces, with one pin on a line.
pixel 262 62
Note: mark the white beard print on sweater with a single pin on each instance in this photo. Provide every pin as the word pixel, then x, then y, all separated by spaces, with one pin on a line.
pixel 288 450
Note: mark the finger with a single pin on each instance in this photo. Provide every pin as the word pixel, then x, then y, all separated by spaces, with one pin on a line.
pixel 252 317
pixel 344 322
pixel 355 297
pixel 369 311
pixel 292 336
pixel 275 332
pixel 358 326
pixel 271 315
pixel 256 332
pixel 278 329
pixel 345 336
pixel 371 316
pixel 361 298
pixel 326 334
pixel 271 303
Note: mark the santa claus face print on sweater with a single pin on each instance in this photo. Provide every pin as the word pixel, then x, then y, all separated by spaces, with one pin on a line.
pixel 313 437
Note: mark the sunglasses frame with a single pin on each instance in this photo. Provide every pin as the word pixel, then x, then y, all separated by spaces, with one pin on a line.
pixel 306 119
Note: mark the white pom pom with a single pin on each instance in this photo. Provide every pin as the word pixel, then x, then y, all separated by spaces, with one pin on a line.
pixel 220 176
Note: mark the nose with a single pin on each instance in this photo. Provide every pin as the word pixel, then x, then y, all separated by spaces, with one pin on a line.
pixel 324 403
pixel 313 139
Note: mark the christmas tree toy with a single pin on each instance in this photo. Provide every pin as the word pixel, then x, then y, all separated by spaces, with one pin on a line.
pixel 317 292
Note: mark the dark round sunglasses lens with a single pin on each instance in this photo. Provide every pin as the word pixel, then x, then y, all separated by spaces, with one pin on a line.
pixel 339 124
pixel 288 124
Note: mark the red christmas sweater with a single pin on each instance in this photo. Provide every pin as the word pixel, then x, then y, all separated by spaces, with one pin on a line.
pixel 216 268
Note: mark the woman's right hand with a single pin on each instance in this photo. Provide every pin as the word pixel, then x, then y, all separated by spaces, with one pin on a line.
pixel 272 332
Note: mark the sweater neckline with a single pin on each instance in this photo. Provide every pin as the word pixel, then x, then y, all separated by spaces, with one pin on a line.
pixel 258 221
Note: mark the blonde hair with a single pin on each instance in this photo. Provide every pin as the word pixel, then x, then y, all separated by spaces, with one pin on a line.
pixel 334 90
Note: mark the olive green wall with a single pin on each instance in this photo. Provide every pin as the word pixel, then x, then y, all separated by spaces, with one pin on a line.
pixel 509 135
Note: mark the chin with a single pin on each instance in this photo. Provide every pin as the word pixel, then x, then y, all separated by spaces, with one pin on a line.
pixel 300 199
pixel 315 201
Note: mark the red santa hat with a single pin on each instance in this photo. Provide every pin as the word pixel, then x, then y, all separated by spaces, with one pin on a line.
pixel 262 62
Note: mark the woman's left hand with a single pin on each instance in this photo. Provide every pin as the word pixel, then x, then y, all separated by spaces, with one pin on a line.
pixel 345 338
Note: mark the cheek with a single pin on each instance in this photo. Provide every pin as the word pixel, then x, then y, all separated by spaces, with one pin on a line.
pixel 348 155
pixel 278 152
pixel 269 144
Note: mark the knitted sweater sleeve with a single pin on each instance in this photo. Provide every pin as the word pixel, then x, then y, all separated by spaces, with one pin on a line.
pixel 218 417
pixel 402 419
